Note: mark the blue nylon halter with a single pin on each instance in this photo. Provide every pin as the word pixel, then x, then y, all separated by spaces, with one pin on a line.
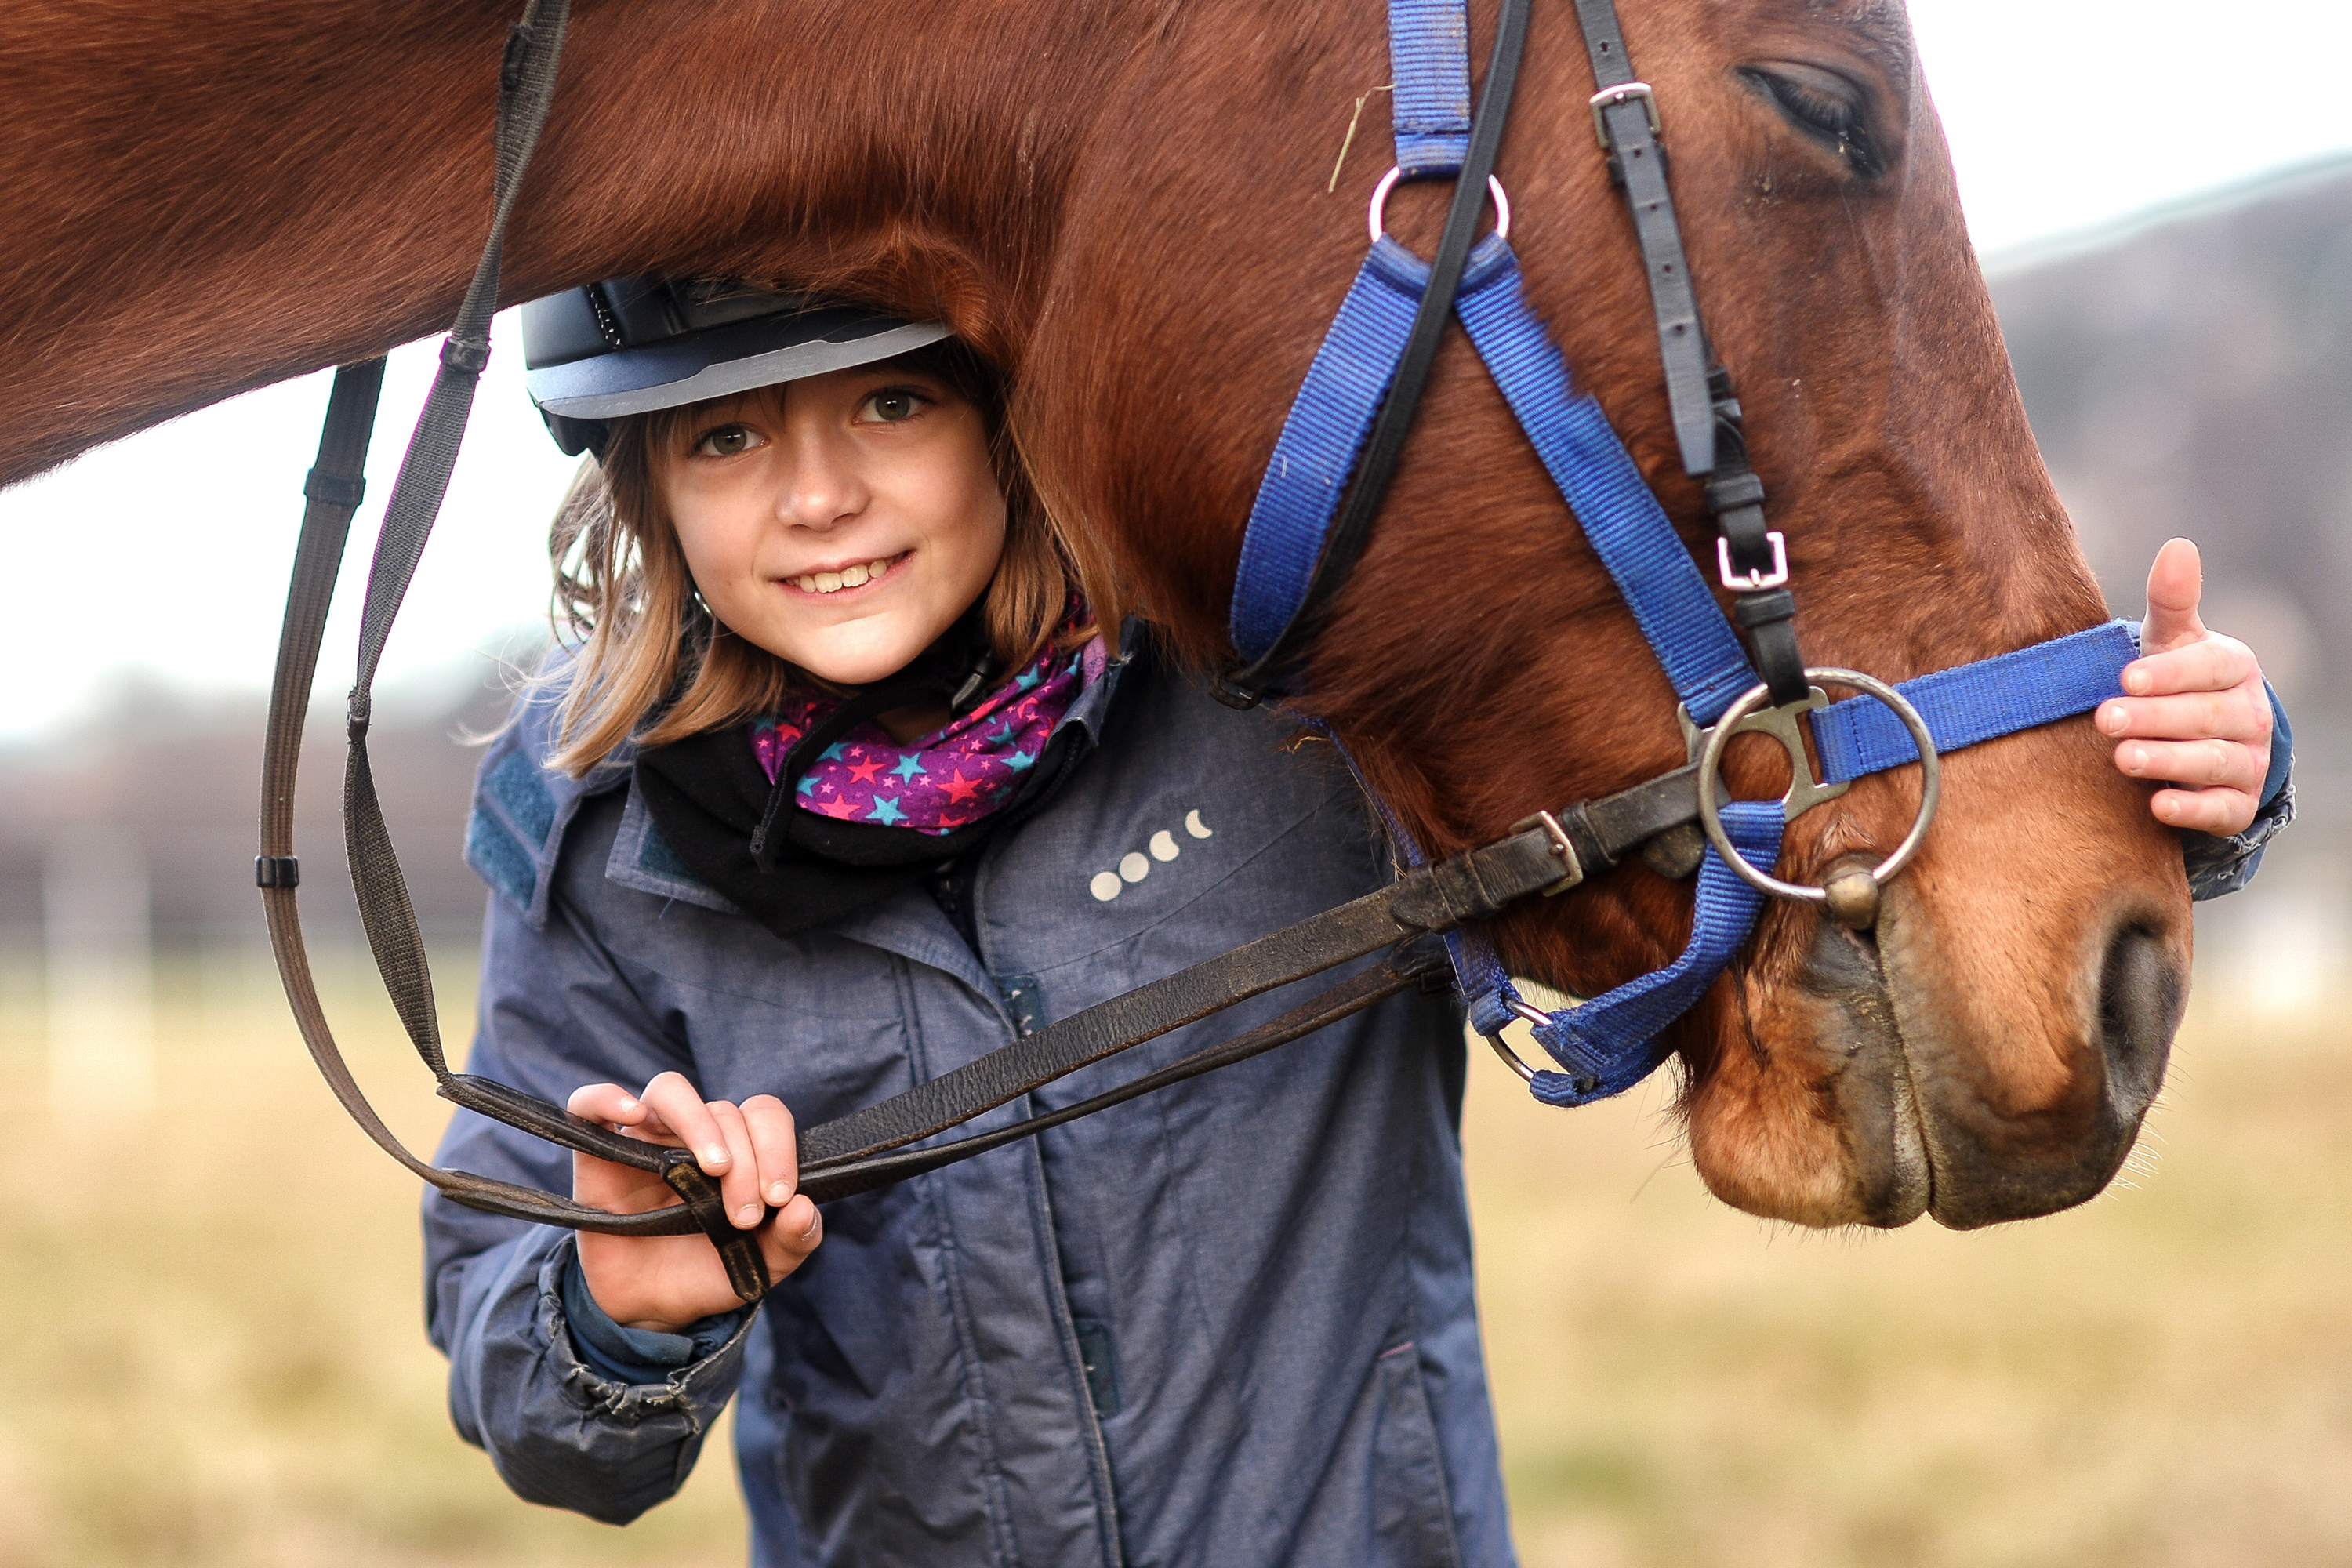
pixel 1607 1045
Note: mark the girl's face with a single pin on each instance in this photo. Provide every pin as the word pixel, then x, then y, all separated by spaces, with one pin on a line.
pixel 840 522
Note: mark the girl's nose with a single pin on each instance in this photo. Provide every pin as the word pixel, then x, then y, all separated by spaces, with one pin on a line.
pixel 820 486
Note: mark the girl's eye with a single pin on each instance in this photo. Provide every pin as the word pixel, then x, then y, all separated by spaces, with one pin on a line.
pixel 893 404
pixel 726 441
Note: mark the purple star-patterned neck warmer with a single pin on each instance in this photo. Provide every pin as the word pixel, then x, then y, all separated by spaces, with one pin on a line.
pixel 943 781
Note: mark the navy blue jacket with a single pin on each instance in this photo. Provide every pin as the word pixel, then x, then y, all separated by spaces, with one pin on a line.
pixel 1231 1322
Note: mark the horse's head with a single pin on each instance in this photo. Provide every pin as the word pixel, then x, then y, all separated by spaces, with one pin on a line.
pixel 1988 1050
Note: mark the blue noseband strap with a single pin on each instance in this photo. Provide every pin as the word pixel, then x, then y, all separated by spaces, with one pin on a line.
pixel 1979 701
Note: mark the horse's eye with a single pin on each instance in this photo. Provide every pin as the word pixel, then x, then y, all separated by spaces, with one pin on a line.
pixel 1826 107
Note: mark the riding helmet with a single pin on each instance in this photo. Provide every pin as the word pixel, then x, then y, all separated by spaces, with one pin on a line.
pixel 632 345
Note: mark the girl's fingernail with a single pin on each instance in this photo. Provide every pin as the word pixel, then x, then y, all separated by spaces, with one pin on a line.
pixel 2111 718
pixel 2136 681
pixel 779 1192
pixel 809 1235
pixel 749 1215
pixel 627 1103
pixel 714 1155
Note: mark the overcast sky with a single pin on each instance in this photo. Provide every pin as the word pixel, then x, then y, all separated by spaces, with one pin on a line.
pixel 167 553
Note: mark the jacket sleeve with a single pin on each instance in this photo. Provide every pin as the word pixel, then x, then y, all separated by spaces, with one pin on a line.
pixel 2218 865
pixel 557 1011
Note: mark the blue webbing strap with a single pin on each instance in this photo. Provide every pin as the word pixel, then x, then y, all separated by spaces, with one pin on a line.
pixel 1621 520
pixel 1979 701
pixel 1320 438
pixel 1614 1042
pixel 1334 410
pixel 1429 62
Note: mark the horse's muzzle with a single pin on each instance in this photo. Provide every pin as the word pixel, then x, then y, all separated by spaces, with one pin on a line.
pixel 2023 1105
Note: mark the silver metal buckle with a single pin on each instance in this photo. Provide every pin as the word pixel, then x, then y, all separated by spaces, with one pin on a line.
pixel 1559 847
pixel 1608 98
pixel 1749 581
pixel 1737 717
pixel 1805 790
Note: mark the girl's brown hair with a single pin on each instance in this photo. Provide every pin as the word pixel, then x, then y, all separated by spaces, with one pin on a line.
pixel 649 661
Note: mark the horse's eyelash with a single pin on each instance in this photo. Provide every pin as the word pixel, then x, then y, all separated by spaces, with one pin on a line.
pixel 1827 116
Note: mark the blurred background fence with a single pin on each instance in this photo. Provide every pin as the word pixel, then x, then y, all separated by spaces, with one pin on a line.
pixel 211 1282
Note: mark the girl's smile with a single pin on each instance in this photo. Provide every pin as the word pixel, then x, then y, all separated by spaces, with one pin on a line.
pixel 826 581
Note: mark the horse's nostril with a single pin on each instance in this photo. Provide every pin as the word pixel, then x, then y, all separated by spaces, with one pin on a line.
pixel 2139 1008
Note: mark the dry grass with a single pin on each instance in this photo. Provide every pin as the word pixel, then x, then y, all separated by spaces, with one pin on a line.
pixel 216 1358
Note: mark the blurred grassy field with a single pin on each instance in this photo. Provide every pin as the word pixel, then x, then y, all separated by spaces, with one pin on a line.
pixel 215 1356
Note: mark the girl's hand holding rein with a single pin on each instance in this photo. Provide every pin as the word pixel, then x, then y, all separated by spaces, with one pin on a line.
pixel 667 1282
pixel 2196 713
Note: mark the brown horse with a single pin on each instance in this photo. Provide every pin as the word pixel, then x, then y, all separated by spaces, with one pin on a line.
pixel 1123 200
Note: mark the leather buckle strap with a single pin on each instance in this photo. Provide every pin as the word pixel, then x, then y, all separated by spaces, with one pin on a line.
pixel 1609 98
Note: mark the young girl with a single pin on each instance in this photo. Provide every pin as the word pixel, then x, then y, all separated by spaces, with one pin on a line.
pixel 812 815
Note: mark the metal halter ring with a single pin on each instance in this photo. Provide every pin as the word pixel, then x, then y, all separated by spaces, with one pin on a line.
pixel 1710 762
pixel 1527 1013
pixel 1378 220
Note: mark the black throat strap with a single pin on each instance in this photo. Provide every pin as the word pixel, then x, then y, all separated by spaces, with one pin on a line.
pixel 1706 415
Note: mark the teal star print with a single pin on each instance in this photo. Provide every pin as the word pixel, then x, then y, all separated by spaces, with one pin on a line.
pixel 887 811
pixel 831 753
pixel 908 768
pixel 1018 761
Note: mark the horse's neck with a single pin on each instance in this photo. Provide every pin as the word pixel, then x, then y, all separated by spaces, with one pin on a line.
pixel 211 198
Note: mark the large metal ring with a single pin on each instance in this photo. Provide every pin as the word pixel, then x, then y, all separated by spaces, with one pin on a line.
pixel 1378 221
pixel 1710 764
pixel 1531 1014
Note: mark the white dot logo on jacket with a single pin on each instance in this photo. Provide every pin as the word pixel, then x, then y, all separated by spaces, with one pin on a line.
pixel 1136 865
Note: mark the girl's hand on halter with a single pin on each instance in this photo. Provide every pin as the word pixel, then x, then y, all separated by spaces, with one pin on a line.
pixel 2197 714
pixel 667 1282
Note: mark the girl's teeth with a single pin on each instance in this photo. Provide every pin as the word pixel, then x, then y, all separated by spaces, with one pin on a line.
pixel 847 577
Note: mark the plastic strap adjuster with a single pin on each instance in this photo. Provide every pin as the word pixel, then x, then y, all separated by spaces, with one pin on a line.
pixel 461 356
pixel 276 871
pixel 335 490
